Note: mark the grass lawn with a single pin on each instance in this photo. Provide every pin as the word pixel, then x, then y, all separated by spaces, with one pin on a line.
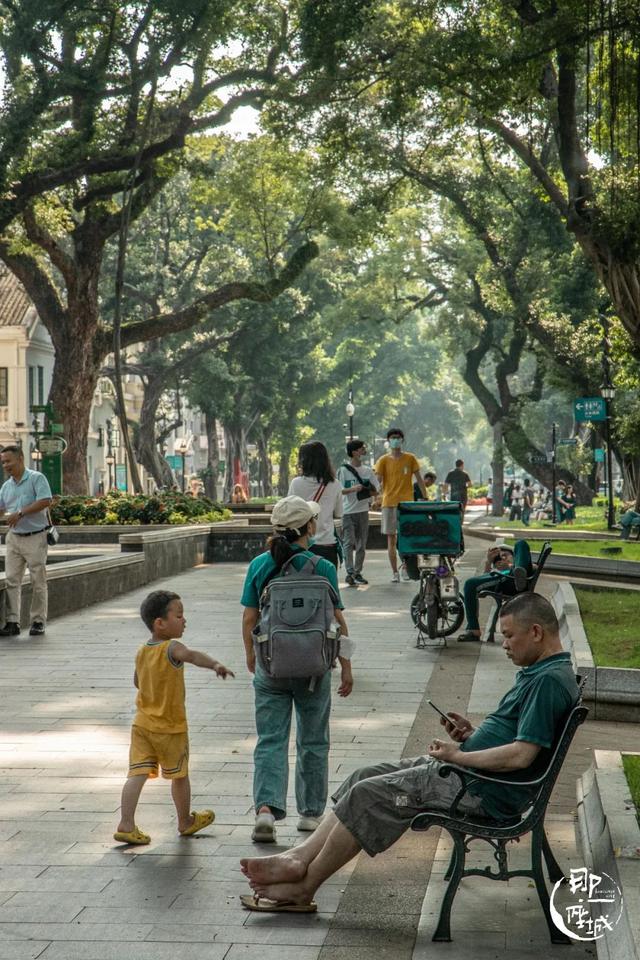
pixel 587 518
pixel 611 623
pixel 624 550
pixel 632 772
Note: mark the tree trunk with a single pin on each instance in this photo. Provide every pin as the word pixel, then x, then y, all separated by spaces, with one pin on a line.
pixel 497 467
pixel 75 376
pixel 283 478
pixel 213 456
pixel 524 451
pixel 147 445
pixel 265 467
pixel 236 444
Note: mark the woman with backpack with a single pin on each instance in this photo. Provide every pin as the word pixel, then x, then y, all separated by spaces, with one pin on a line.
pixel 288 560
pixel 317 482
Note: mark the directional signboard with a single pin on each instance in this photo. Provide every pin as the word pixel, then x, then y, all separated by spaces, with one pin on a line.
pixel 51 445
pixel 589 408
pixel 567 441
pixel 598 455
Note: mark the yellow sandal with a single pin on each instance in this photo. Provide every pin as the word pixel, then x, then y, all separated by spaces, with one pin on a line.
pixel 135 836
pixel 200 819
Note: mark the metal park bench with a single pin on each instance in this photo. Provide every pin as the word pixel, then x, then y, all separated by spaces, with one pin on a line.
pixel 501 598
pixel 498 833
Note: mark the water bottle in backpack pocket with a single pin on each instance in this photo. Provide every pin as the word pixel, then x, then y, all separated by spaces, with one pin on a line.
pixel 296 635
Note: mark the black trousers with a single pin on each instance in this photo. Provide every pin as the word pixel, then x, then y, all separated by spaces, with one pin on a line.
pixel 327 550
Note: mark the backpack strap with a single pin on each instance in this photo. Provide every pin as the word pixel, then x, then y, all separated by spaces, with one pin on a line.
pixel 321 489
pixel 353 470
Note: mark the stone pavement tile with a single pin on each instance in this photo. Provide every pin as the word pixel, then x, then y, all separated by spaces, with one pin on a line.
pixel 34 911
pixel 232 916
pixel 275 931
pixel 247 951
pixel 381 951
pixel 21 949
pixel 72 931
pixel 89 950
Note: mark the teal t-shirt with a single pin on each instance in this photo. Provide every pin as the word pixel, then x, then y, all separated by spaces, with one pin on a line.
pixel 533 711
pixel 262 568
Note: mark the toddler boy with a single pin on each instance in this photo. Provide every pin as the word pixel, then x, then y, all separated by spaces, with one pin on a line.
pixel 159 733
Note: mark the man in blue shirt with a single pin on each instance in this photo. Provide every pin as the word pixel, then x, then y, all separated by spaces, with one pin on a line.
pixel 376 804
pixel 25 498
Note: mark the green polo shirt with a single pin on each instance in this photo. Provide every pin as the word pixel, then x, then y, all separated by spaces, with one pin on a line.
pixel 533 711
pixel 262 568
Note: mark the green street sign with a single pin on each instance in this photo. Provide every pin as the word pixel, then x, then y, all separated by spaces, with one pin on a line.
pixel 598 455
pixel 121 477
pixel 589 408
pixel 174 460
pixel 567 442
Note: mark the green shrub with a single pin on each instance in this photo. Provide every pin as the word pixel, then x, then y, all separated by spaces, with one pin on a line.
pixel 171 507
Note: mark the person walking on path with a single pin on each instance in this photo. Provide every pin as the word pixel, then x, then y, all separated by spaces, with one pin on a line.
pixel 25 498
pixel 569 500
pixel 489 495
pixel 374 807
pixel 359 483
pixel 430 487
pixel 527 502
pixel 317 481
pixel 159 736
pixel 396 471
pixel 517 500
pixel 505 569
pixel 458 482
pixel 294 521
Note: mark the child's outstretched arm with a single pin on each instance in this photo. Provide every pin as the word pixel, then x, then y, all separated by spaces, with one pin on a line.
pixel 182 654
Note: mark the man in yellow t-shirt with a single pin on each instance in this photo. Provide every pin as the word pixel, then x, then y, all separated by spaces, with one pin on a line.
pixel 397 471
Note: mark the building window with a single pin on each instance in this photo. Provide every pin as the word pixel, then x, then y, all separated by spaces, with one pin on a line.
pixel 32 387
pixel 41 385
pixel 4 386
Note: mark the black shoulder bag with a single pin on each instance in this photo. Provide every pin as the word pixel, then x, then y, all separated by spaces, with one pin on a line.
pixel 366 493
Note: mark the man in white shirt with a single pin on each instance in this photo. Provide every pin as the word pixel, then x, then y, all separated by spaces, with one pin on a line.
pixel 359 484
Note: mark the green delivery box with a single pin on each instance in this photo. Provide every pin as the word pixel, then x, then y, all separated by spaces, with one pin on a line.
pixel 429 527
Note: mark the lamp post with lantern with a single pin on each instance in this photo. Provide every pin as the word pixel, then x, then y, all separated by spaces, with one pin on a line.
pixel 350 410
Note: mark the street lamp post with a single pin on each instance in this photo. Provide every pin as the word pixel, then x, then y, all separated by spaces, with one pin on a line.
pixel 608 392
pixel 110 459
pixel 350 410
pixel 554 509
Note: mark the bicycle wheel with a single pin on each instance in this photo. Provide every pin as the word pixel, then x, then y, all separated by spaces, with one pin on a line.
pixel 433 605
pixel 450 617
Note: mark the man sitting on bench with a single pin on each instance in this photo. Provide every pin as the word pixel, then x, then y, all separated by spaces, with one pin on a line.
pixel 376 804
pixel 506 570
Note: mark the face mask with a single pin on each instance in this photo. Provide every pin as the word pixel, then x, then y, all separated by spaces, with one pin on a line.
pixel 395 443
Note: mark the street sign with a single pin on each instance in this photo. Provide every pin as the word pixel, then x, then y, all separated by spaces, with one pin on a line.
pixel 57 428
pixel 589 408
pixel 598 455
pixel 174 460
pixel 539 458
pixel 50 446
pixel 567 441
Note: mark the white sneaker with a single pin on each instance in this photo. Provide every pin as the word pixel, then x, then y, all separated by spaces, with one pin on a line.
pixel 309 824
pixel 395 578
pixel 264 830
pixel 405 573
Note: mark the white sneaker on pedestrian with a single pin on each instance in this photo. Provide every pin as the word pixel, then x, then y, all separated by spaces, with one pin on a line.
pixel 309 824
pixel 264 830
pixel 396 577
pixel 404 572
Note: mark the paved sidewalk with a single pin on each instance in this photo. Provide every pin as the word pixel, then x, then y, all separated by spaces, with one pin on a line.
pixel 67 892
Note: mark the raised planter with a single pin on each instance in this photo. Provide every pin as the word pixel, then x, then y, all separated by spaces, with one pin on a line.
pixel 609 838
pixel 613 692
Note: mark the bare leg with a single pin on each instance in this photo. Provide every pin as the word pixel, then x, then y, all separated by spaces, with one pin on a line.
pixel 291 864
pixel 130 796
pixel 181 794
pixel 339 847
pixel 391 549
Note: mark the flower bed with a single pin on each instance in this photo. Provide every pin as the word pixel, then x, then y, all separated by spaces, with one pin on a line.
pixel 170 507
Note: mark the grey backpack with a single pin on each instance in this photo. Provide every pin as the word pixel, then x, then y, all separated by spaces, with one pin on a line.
pixel 295 636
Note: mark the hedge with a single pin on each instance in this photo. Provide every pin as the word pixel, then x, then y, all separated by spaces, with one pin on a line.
pixel 171 507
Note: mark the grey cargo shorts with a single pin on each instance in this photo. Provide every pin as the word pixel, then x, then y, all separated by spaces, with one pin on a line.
pixel 377 804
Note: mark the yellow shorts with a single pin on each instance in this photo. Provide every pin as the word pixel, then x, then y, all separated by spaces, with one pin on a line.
pixel 149 750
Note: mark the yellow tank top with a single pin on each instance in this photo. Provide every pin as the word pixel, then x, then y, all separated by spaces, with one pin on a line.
pixel 161 696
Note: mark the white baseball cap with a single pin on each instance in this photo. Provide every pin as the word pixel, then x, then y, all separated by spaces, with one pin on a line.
pixel 291 513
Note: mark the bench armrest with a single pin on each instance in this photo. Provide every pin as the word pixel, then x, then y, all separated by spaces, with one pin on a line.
pixel 467 773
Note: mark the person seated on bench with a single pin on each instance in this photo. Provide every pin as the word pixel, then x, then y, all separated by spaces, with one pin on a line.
pixel 376 804
pixel 629 519
pixel 506 570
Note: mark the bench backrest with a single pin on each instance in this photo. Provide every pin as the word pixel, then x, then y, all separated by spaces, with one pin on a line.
pixel 576 716
pixel 542 559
